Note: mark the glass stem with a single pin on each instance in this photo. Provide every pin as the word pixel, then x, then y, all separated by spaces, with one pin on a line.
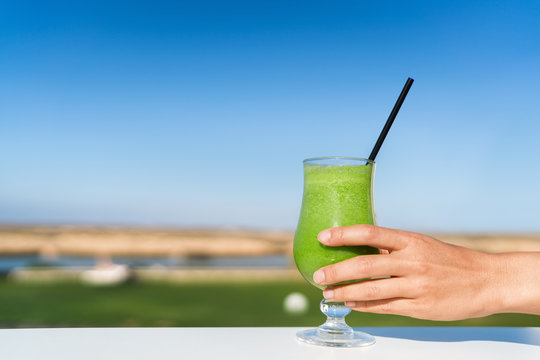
pixel 335 326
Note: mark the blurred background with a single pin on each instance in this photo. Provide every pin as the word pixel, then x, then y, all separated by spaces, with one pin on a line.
pixel 150 152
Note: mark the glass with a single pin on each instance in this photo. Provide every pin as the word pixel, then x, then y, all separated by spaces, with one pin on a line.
pixel 337 192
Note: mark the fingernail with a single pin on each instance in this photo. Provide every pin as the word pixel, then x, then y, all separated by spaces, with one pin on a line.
pixel 318 277
pixel 324 236
pixel 328 294
pixel 350 304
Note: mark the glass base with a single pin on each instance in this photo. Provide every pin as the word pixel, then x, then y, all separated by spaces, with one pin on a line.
pixel 356 339
pixel 335 332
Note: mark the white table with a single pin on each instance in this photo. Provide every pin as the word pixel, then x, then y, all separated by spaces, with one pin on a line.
pixel 264 343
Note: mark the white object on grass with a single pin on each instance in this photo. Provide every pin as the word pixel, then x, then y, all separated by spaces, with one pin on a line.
pixel 111 274
pixel 296 303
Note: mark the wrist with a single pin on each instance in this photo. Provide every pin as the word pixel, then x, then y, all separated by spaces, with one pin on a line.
pixel 499 299
pixel 490 285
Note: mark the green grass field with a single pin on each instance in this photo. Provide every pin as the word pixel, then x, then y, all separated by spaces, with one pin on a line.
pixel 167 304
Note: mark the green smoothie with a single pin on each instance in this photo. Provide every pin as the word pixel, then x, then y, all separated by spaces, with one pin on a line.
pixel 334 195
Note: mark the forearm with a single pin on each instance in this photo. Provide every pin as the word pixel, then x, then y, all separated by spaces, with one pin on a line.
pixel 518 282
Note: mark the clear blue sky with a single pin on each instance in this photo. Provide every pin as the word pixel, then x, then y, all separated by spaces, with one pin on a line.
pixel 200 113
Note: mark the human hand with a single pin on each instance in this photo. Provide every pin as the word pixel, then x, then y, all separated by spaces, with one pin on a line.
pixel 418 276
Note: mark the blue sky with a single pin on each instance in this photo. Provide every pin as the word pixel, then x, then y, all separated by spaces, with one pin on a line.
pixel 200 113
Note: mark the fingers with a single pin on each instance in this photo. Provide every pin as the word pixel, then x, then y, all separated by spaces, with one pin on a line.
pixel 360 267
pixel 397 306
pixel 370 235
pixel 369 290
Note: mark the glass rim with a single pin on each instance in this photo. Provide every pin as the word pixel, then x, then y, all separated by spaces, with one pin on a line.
pixel 322 158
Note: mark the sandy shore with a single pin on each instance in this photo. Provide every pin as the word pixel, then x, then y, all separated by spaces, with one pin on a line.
pixel 90 241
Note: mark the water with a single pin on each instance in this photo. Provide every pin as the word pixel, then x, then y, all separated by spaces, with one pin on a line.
pixel 276 261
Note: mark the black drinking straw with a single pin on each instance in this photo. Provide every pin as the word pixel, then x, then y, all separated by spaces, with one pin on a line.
pixel 391 118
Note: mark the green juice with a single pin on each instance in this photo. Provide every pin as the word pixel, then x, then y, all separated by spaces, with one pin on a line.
pixel 334 195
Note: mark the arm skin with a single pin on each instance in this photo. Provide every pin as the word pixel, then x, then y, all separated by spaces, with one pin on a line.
pixel 422 277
